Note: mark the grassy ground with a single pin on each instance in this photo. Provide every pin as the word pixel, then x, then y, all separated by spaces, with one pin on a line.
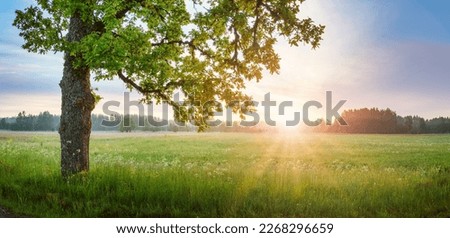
pixel 231 175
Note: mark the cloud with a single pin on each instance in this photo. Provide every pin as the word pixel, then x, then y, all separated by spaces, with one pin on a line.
pixel 32 103
pixel 345 57
pixel 22 72
pixel 415 79
pixel 362 60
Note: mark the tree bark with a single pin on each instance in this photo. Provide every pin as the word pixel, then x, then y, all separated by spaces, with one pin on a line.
pixel 77 105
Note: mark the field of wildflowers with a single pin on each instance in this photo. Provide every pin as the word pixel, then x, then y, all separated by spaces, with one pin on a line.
pixel 230 175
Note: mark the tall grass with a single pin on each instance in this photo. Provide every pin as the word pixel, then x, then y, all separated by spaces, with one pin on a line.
pixel 231 175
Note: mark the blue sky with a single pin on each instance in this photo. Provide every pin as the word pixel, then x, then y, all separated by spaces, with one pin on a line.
pixel 383 53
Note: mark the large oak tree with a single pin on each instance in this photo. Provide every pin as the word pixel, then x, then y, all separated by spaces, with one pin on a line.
pixel 207 49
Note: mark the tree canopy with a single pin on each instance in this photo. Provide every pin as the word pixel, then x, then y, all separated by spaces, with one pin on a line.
pixel 206 49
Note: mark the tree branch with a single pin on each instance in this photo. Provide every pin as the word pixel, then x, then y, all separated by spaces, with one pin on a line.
pixel 99 26
pixel 181 42
pixel 274 14
pixel 146 92
pixel 256 24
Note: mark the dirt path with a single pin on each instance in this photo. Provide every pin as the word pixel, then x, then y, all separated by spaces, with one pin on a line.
pixel 5 214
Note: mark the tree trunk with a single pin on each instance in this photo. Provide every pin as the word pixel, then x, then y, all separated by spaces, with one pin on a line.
pixel 77 105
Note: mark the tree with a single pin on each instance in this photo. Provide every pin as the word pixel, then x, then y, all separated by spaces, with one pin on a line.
pixel 24 122
pixel 3 124
pixel 365 120
pixel 128 124
pixel 44 121
pixel 158 47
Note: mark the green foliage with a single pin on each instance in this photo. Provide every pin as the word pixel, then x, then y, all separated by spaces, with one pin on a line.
pixel 159 47
pixel 97 97
pixel 43 27
pixel 231 175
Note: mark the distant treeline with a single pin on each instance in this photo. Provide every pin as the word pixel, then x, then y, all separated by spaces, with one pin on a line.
pixel 128 123
pixel 384 121
pixel 374 120
pixel 48 122
pixel 23 122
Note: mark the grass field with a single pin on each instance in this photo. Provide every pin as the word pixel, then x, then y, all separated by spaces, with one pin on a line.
pixel 231 175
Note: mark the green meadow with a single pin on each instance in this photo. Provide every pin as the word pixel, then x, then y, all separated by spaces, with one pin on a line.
pixel 230 175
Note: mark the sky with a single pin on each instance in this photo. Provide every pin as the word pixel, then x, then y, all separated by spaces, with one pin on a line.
pixel 385 54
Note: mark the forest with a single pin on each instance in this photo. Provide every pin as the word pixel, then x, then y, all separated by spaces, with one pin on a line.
pixel 384 121
pixel 359 121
